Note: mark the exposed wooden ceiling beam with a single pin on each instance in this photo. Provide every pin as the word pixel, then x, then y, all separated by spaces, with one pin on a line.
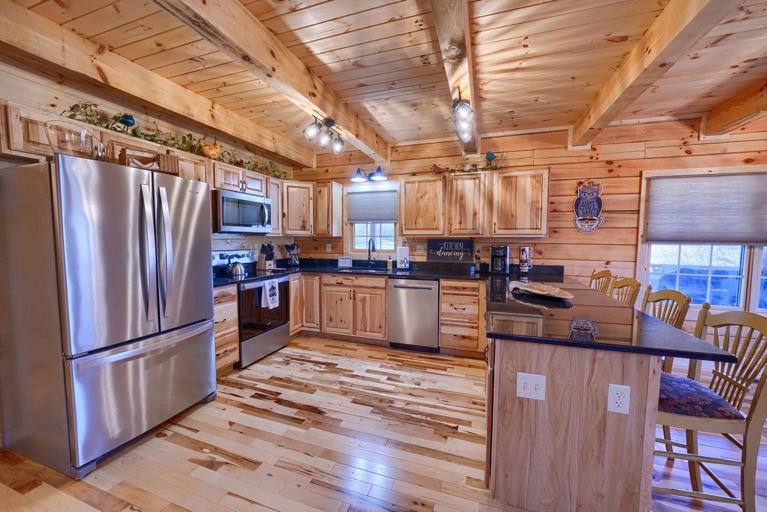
pixel 30 34
pixel 451 20
pixel 233 29
pixel 673 33
pixel 748 105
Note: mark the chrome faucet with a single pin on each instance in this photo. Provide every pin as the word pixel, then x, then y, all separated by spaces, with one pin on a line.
pixel 371 247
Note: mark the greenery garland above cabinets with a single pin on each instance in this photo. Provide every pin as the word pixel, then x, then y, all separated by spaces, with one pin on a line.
pixel 125 123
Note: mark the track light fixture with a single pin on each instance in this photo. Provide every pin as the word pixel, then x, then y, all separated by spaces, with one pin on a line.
pixel 325 134
pixel 360 176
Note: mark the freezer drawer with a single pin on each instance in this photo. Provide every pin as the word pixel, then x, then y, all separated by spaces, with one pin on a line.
pixel 117 395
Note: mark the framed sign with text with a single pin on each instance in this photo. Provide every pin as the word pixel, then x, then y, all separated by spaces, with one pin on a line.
pixel 456 250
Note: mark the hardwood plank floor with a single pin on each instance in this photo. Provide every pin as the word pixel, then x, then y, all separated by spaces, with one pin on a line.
pixel 321 425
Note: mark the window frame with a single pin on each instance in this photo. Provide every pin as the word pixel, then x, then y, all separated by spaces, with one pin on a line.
pixel 349 226
pixel 744 285
pixel 376 237
pixel 757 253
pixel 750 279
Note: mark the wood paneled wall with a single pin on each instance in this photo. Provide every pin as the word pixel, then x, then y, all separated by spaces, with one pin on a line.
pixel 617 158
pixel 42 89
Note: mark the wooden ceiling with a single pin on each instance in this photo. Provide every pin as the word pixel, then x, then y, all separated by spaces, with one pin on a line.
pixel 537 63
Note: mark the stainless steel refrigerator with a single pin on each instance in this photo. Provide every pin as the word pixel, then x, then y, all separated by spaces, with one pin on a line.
pixel 106 306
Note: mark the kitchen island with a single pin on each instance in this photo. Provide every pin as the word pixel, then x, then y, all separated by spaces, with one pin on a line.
pixel 563 449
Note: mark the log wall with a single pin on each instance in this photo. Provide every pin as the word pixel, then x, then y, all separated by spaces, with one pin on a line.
pixel 617 158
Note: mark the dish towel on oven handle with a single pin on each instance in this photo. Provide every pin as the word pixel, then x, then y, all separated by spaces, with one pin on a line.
pixel 270 294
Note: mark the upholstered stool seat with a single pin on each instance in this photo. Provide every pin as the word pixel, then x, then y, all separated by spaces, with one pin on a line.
pixel 680 395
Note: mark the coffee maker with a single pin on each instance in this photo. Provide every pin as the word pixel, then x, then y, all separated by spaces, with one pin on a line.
pixel 499 259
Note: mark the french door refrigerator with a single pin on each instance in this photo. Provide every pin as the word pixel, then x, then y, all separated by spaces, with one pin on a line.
pixel 106 306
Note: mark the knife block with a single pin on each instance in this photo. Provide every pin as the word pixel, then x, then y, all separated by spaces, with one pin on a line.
pixel 263 264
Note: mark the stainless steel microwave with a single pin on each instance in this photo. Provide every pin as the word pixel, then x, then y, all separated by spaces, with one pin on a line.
pixel 234 212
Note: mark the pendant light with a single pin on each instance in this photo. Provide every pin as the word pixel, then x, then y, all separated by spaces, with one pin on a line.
pixel 359 176
pixel 325 137
pixel 463 118
pixel 338 145
pixel 311 131
pixel 378 175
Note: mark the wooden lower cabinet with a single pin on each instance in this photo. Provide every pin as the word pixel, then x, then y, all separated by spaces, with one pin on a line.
pixel 354 306
pixel 225 319
pixel 310 284
pixel 338 310
pixel 462 315
pixel 370 312
pixel 296 303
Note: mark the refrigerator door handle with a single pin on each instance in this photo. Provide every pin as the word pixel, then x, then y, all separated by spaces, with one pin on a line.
pixel 168 341
pixel 168 274
pixel 146 244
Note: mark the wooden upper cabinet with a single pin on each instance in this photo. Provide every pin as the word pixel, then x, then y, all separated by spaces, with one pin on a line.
pixel 274 192
pixel 520 202
pixel 422 205
pixel 466 193
pixel 26 130
pixel 311 291
pixel 298 208
pixel 253 183
pixel 193 167
pixel 227 177
pixel 328 211
pixel 337 310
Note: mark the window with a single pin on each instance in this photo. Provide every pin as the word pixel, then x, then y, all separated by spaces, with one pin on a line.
pixel 762 304
pixel 382 234
pixel 707 273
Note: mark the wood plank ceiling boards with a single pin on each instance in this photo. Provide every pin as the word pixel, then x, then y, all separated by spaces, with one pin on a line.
pixel 231 28
pixel 22 30
pixel 673 33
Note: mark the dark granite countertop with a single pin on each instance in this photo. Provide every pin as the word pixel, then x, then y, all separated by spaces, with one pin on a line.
pixel 588 320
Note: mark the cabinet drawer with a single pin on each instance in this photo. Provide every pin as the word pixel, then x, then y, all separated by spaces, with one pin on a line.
pixel 458 341
pixel 225 318
pixel 370 282
pixel 337 279
pixel 462 305
pixel 449 286
pixel 459 329
pixel 224 294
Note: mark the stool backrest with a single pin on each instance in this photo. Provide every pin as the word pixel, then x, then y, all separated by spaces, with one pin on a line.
pixel 600 280
pixel 668 306
pixel 744 335
pixel 625 290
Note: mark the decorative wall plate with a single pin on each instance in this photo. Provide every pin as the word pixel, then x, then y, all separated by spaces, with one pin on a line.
pixel 588 207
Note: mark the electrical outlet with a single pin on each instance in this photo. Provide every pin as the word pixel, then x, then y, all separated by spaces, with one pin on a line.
pixel 420 249
pixel 328 247
pixel 531 385
pixel 618 398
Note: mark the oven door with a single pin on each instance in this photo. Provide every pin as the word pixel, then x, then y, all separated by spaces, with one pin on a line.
pixel 262 330
pixel 241 213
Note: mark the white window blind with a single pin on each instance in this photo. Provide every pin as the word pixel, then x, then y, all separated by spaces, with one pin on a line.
pixel 371 206
pixel 725 208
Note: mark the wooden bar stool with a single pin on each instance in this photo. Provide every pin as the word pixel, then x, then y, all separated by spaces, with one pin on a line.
pixel 686 403
pixel 625 290
pixel 600 280
pixel 668 306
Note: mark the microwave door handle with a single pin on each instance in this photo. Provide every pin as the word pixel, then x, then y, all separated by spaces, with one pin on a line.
pixel 168 263
pixel 146 245
pixel 266 214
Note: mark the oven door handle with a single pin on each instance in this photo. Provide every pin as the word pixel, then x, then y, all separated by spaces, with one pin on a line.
pixel 259 284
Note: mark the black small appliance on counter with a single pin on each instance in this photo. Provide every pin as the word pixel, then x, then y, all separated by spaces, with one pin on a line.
pixel 499 259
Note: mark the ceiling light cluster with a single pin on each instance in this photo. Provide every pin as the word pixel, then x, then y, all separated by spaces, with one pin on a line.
pixel 377 175
pixel 463 117
pixel 325 134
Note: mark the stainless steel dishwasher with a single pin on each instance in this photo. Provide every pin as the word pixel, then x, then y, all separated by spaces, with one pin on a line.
pixel 412 316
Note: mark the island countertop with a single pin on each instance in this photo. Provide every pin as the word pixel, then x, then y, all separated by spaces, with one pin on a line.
pixel 588 320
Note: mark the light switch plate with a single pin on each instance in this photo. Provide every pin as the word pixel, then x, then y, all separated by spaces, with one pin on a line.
pixel 531 385
pixel 618 398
